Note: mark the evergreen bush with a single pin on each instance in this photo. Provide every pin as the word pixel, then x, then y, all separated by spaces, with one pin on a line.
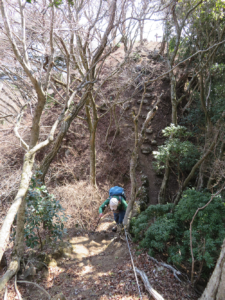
pixel 42 209
pixel 182 154
pixel 163 228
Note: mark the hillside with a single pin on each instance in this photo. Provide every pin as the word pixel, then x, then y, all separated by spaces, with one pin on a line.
pixel 93 270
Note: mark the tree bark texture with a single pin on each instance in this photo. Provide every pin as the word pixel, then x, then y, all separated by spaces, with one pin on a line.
pixel 93 157
pixel 18 206
pixel 173 98
pixel 215 289
pixel 162 191
pixel 138 140
pixel 24 185
pixel 133 165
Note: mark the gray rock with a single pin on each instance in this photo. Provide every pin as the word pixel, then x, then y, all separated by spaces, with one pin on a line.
pixel 149 131
pixel 59 296
pixel 150 88
pixel 145 101
pixel 154 54
pixel 146 149
pixel 126 106
pixel 138 68
pixel 29 272
pixel 147 140
pixel 144 180
pixel 154 142
pixel 149 95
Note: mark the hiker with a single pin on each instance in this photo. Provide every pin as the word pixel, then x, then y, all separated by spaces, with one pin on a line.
pixel 117 203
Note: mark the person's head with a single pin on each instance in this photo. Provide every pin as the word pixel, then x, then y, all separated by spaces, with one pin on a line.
pixel 113 203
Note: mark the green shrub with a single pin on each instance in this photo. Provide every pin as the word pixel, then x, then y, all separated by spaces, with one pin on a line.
pixel 42 209
pixel 160 228
pixel 181 153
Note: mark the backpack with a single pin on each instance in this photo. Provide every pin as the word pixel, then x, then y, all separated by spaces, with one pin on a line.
pixel 117 191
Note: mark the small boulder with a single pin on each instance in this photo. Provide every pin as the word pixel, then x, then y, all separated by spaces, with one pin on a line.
pixel 146 149
pixel 146 140
pixel 154 142
pixel 145 101
pixel 150 89
pixel 149 95
pixel 30 272
pixel 126 106
pixel 138 68
pixel 59 296
pixel 149 131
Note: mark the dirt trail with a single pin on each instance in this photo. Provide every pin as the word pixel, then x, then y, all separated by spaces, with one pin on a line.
pixel 99 267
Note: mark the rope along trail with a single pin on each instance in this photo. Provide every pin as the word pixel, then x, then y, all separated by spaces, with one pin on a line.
pixel 135 273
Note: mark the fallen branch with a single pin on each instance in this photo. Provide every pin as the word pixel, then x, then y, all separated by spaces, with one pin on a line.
pixel 175 272
pixel 148 286
pixel 41 288
pixel 17 291
pixel 6 293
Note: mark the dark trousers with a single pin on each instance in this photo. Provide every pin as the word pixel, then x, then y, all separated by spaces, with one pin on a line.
pixel 119 216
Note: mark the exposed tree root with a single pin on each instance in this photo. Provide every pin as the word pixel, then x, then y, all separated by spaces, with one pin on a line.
pixel 12 270
pixel 37 285
pixel 175 272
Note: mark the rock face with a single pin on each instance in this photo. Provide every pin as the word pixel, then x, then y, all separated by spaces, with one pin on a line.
pixel 146 149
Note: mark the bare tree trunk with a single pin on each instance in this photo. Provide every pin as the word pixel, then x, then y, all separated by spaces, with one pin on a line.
pixel 93 158
pixel 138 140
pixel 211 178
pixel 162 191
pixel 163 45
pixel 133 165
pixel 18 207
pixel 141 27
pixel 215 289
pixel 173 97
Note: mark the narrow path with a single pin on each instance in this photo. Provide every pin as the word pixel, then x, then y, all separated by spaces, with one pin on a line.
pixel 100 269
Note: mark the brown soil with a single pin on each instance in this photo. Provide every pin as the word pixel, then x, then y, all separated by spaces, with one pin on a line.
pixel 100 268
